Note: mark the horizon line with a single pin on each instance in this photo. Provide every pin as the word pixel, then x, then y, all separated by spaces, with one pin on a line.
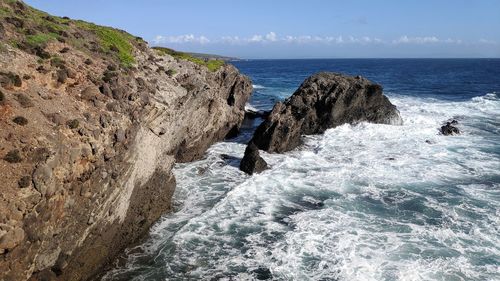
pixel 351 58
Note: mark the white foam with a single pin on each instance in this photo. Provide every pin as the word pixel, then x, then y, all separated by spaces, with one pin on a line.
pixel 364 202
pixel 251 107
pixel 256 86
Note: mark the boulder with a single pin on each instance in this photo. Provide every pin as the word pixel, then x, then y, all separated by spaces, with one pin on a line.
pixel 324 100
pixel 449 129
pixel 10 237
pixel 252 162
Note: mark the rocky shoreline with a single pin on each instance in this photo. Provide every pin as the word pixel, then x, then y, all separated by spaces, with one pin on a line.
pixel 93 121
pixel 324 100
pixel 91 128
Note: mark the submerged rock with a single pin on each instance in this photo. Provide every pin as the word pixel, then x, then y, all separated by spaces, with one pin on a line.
pixel 325 100
pixel 252 162
pixel 449 129
pixel 254 114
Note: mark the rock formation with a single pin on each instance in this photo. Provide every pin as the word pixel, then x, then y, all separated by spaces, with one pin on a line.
pixel 449 128
pixel 92 121
pixel 324 100
pixel 252 162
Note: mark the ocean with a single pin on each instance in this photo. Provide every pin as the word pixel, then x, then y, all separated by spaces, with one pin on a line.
pixel 360 202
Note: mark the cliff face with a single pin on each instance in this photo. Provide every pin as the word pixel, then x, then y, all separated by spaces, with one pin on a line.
pixel 91 124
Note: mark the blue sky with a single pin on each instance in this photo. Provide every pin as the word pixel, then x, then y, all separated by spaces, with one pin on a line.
pixel 302 29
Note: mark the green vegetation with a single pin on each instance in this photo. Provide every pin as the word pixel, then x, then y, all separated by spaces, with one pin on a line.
pixel 170 72
pixel 39 28
pixel 39 40
pixel 113 40
pixel 212 65
pixel 57 62
pixel 73 124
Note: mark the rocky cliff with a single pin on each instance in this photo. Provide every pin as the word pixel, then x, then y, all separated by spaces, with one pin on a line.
pixel 324 100
pixel 91 123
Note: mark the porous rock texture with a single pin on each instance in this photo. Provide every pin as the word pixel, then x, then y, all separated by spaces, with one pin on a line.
pixel 91 169
pixel 324 100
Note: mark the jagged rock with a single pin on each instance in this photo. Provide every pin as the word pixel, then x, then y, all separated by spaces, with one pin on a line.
pixel 42 178
pixel 47 259
pixel 11 237
pixel 325 100
pixel 449 129
pixel 120 135
pixel 56 118
pixel 90 93
pixel 252 162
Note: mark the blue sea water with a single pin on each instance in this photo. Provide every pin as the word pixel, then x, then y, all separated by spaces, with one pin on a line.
pixel 360 202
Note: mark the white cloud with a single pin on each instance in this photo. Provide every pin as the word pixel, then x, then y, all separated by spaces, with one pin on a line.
pixel 486 41
pixel 425 40
pixel 256 38
pixel 272 37
pixel 187 38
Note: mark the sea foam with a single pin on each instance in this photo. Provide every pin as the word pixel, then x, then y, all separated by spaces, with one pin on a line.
pixel 360 202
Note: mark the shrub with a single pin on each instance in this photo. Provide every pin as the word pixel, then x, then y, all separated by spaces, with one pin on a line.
pixel 109 75
pixel 73 124
pixel 20 120
pixel 13 156
pixel 24 182
pixel 24 100
pixel 62 75
pixel 57 62
pixel 8 79
pixel 171 72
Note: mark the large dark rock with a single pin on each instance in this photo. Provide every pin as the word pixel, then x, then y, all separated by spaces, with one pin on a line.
pixel 252 162
pixel 449 129
pixel 325 100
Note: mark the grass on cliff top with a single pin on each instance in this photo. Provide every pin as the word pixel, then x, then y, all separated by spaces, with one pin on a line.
pixel 40 39
pixel 113 40
pixel 212 65
pixel 49 28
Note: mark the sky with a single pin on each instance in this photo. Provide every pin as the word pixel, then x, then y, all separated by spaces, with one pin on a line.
pixel 280 29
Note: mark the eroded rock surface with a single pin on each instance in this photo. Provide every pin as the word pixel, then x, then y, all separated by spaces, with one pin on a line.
pixel 325 100
pixel 91 168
